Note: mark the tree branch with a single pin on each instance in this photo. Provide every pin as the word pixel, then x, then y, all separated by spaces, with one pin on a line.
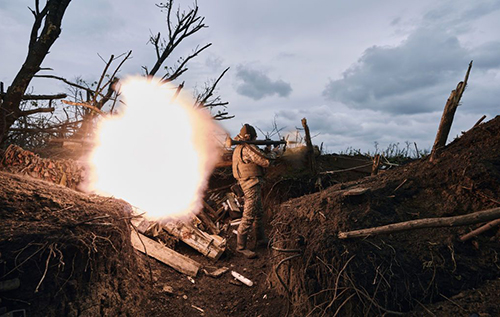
pixel 469 219
pixel 187 24
pixel 85 105
pixel 64 80
pixel 33 111
pixel 211 90
pixel 181 69
pixel 44 97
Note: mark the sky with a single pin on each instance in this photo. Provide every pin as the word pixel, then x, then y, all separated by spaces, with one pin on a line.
pixel 363 73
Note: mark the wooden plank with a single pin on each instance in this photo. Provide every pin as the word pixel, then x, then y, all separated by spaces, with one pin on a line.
pixel 208 207
pixel 208 245
pixel 177 261
pixel 207 221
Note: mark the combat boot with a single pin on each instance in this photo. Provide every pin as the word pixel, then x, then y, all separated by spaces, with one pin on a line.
pixel 241 247
pixel 260 237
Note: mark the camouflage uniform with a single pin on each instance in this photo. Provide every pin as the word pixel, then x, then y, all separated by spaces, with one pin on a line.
pixel 248 164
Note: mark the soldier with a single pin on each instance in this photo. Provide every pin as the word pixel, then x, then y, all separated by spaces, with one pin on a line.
pixel 248 164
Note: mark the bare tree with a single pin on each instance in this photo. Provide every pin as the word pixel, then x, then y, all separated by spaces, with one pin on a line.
pixel 182 24
pixel 41 40
pixel 90 99
pixel 87 101
pixel 207 99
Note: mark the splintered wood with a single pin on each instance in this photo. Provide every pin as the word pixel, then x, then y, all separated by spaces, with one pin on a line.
pixel 211 246
pixel 163 254
pixel 68 173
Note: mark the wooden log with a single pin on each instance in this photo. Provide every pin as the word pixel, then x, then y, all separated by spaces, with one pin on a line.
pixel 448 115
pixel 177 261
pixel 480 230
pixel 476 217
pixel 209 245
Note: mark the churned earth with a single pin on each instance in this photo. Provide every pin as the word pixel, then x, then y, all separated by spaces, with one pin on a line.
pixel 72 254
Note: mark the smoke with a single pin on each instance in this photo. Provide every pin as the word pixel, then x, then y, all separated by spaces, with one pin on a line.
pixel 158 154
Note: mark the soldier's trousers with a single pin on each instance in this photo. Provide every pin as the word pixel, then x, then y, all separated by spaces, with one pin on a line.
pixel 252 210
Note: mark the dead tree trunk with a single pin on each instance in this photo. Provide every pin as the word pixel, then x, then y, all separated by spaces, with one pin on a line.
pixel 448 114
pixel 310 149
pixel 476 217
pixel 40 43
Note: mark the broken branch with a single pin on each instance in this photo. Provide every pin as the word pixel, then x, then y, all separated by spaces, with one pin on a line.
pixel 37 110
pixel 85 105
pixel 476 217
pixel 44 97
pixel 480 230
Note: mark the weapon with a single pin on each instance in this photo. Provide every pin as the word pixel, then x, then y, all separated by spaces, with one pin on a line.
pixel 230 142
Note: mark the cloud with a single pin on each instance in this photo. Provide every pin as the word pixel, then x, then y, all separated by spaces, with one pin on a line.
pixel 213 62
pixel 257 85
pixel 414 77
pixel 468 11
pixel 486 55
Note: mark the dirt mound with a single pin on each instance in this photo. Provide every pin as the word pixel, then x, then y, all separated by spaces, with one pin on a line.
pixel 400 272
pixel 71 255
pixel 69 252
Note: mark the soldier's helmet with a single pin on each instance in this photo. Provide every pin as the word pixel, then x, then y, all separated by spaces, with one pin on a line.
pixel 247 132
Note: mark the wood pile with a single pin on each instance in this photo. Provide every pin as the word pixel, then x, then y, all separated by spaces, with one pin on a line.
pixel 203 232
pixel 68 173
pixel 152 238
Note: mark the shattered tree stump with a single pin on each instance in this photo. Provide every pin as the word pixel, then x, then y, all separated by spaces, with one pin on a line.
pixel 311 160
pixel 448 114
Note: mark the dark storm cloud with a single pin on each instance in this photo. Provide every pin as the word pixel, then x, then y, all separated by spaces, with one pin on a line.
pixel 257 85
pixel 409 78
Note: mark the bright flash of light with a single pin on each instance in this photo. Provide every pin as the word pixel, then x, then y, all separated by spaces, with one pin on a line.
pixel 157 154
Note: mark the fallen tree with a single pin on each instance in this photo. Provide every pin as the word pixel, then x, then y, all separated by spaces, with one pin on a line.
pixel 469 219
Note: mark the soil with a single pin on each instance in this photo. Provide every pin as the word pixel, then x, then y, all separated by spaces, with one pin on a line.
pixel 401 272
pixel 72 254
